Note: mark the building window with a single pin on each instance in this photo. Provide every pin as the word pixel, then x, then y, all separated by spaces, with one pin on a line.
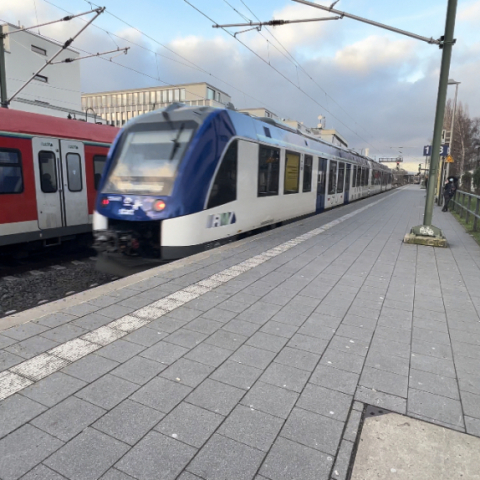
pixel 158 100
pixel 332 178
pixel 170 96
pixel 182 94
pixel 292 172
pixel 307 173
pixel 40 51
pixel 164 96
pixel 152 97
pixel 218 97
pixel 135 98
pixel 98 166
pixel 210 94
pixel 11 179
pixel 341 176
pixel 268 171
pixel 176 95
pixel 41 78
pixel 74 172
pixel 224 189
pixel 48 172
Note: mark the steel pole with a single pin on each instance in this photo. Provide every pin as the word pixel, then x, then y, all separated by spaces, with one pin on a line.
pixel 452 126
pixel 440 111
pixel 3 71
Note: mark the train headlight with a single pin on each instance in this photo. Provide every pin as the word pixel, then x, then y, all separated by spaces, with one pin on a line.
pixel 159 205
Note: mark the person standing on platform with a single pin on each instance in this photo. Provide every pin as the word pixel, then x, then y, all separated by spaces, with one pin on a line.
pixel 448 193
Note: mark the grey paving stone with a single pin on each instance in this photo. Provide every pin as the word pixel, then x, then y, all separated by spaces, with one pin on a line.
pixel 225 311
pixel 161 394
pixel 273 343
pixel 208 354
pixel 358 406
pixel 471 404
pixel 251 427
pixel 135 302
pixel 216 397
pixel 190 424
pixel 434 406
pixel 473 426
pixel 64 333
pixel 330 403
pixel 297 358
pixel 226 340
pixel 50 321
pixel 255 357
pixel 466 366
pixel 366 312
pixel 53 389
pixel 90 368
pixel 436 384
pixel 432 349
pixel 23 449
pixel 185 338
pixel 166 324
pixel 342 360
pixel 185 314
pixel 241 327
pixel 129 421
pixel 188 476
pixel 353 424
pixel 260 312
pixel 389 363
pixel 322 332
pixel 364 334
pixel 334 379
pixel 8 360
pixel 164 352
pixel 42 473
pixel 156 457
pixel 342 462
pixel 87 456
pixel 236 374
pixel 114 474
pixel 68 418
pixel 104 301
pixel 223 458
pixel 15 411
pixel 289 460
pixel 107 391
pixel 288 318
pixel 308 343
pixel 31 347
pixel 81 309
pixel 285 377
pixel 465 349
pixel 433 336
pixel 349 345
pixel 392 334
pixel 386 382
pixel 6 341
pixel 270 399
pixel 281 329
pixel 187 372
pixel 313 430
pixel 338 311
pixel 435 365
pixel 469 383
pixel 138 370
pixel 120 350
pixel 429 324
pixel 145 336
pixel 380 399
pixel 204 325
pixel 360 322
pixel 91 321
pixel 322 321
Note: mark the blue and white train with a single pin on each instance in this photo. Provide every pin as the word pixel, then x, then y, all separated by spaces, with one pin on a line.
pixel 186 179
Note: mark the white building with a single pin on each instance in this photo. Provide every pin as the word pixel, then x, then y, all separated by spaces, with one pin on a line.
pixel 56 90
pixel 260 112
pixel 119 106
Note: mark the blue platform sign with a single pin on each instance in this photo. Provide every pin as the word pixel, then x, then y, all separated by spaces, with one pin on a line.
pixel 444 150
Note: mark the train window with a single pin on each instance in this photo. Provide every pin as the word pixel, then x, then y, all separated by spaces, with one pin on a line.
pixel 332 178
pixel 307 173
pixel 48 172
pixel 322 176
pixel 341 176
pixel 98 166
pixel 359 176
pixel 354 175
pixel 292 172
pixel 347 177
pixel 224 189
pixel 11 179
pixel 268 171
pixel 74 172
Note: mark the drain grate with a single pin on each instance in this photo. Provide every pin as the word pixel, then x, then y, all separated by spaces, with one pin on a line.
pixel 372 411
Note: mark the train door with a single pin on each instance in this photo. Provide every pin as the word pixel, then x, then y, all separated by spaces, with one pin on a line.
pixel 347 183
pixel 332 184
pixel 48 183
pixel 74 182
pixel 321 184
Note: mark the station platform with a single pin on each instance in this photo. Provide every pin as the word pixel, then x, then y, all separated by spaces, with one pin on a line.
pixel 257 360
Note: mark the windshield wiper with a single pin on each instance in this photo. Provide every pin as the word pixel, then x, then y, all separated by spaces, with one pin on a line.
pixel 176 143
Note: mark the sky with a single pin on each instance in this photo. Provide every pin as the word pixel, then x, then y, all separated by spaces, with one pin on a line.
pixel 376 88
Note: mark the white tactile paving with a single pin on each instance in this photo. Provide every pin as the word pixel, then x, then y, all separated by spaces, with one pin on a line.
pixel 11 383
pixel 30 371
pixel 40 366
pixel 103 335
pixel 74 349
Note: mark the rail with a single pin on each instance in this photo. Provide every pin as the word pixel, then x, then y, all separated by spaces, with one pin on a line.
pixel 464 203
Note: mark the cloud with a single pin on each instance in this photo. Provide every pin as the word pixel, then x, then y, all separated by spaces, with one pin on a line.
pixel 470 13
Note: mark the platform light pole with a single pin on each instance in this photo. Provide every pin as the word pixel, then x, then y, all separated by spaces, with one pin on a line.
pixel 452 124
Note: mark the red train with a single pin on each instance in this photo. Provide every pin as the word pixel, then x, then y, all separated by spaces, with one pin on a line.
pixel 49 172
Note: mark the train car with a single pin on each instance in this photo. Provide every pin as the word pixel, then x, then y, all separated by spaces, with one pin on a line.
pixel 50 169
pixel 186 179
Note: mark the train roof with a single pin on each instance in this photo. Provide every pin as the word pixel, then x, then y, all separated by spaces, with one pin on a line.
pixel 35 124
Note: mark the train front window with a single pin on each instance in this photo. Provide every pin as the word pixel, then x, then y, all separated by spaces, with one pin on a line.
pixel 148 160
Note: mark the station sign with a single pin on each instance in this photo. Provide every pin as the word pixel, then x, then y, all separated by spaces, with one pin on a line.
pixel 444 150
pixel 390 159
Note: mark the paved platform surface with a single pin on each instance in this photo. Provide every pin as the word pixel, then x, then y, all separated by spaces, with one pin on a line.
pixel 253 361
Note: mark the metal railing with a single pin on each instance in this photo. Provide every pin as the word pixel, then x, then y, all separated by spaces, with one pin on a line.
pixel 464 203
